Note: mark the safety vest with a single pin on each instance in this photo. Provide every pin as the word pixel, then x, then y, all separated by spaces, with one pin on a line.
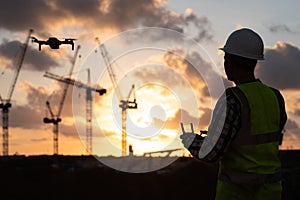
pixel 253 154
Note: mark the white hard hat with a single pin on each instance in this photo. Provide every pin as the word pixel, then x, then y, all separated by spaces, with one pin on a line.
pixel 245 43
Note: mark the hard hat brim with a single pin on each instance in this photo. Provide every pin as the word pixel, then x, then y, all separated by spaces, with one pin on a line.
pixel 254 57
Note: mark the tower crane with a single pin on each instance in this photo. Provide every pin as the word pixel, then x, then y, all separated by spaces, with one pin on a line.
pixel 55 119
pixel 6 103
pixel 125 104
pixel 89 98
pixel 89 116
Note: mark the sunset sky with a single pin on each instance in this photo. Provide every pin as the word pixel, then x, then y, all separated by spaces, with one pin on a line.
pixel 176 67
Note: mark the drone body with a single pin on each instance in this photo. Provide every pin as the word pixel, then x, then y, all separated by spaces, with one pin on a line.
pixel 53 42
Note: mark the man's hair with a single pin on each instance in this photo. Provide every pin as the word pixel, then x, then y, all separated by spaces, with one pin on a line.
pixel 245 63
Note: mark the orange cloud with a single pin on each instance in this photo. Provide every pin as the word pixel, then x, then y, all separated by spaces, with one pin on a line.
pixel 98 14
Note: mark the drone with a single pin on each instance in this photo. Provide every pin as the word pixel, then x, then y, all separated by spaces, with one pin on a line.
pixel 53 42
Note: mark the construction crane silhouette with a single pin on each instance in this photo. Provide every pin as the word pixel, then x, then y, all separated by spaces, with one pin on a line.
pixel 125 104
pixel 6 103
pixel 55 119
pixel 89 109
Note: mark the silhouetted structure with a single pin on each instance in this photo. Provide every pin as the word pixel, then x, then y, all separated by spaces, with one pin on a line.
pixel 55 119
pixel 125 103
pixel 6 103
pixel 89 89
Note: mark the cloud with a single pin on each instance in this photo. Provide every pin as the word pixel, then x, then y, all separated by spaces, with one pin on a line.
pixel 291 135
pixel 68 130
pixel 297 112
pixel 291 139
pixel 280 68
pixel 202 24
pixel 39 140
pixel 73 96
pixel 44 15
pixel 68 111
pixel 19 117
pixel 36 96
pixel 31 115
pixel 278 28
pixel 205 117
pixel 158 123
pixel 104 133
pixel 20 15
pixel 186 118
pixel 198 71
pixel 291 124
pixel 34 60
pixel 182 71
pixel 162 75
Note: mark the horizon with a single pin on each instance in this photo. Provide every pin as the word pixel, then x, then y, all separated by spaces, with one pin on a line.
pixel 175 66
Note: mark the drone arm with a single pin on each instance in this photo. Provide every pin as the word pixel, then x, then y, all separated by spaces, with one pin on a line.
pixel 41 43
pixel 34 39
pixel 69 41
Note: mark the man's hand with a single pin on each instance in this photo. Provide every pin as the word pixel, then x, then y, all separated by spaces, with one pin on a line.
pixel 192 141
pixel 187 137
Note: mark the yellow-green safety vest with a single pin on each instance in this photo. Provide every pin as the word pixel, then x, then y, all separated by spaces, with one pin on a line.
pixel 253 154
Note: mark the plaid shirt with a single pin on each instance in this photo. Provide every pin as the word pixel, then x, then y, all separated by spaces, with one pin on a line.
pixel 225 124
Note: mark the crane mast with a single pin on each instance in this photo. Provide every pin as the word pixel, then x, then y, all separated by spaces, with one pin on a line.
pixel 5 103
pixel 89 89
pixel 89 117
pixel 55 119
pixel 125 104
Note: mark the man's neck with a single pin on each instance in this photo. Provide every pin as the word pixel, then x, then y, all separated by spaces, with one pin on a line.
pixel 245 79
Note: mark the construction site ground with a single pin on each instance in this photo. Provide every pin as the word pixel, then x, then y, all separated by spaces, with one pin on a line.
pixel 84 177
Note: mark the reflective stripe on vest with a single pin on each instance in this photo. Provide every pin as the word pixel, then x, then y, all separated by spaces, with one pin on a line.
pixel 238 177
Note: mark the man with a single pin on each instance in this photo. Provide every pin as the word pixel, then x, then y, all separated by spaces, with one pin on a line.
pixel 250 131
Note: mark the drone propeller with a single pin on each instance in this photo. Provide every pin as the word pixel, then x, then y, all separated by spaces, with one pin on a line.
pixel 34 39
pixel 70 39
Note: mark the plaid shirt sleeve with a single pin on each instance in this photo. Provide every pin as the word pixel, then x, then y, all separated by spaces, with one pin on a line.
pixel 224 126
